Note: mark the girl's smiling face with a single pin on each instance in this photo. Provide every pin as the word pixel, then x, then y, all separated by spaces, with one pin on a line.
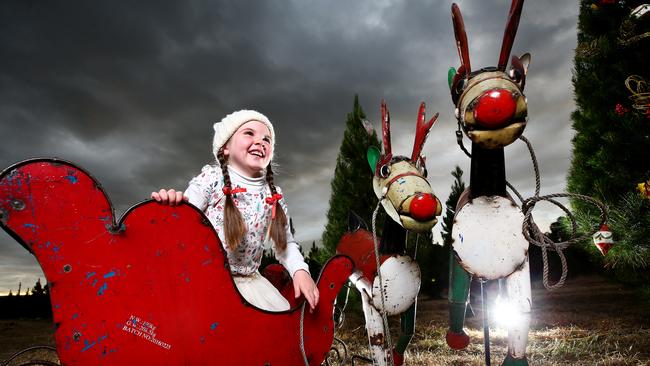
pixel 249 149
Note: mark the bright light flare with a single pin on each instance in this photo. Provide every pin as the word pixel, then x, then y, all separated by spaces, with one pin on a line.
pixel 505 313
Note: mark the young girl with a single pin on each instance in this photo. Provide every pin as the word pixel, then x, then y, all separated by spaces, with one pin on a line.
pixel 246 209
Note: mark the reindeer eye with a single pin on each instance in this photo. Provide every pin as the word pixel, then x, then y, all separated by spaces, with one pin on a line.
pixel 384 171
pixel 460 85
pixel 515 75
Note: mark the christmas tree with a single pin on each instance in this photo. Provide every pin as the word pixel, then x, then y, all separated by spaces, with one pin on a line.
pixel 352 182
pixel 612 130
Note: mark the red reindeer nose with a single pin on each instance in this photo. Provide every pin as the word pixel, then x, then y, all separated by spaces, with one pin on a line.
pixel 423 207
pixel 494 108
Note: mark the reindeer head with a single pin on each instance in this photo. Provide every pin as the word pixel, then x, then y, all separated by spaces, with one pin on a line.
pixel 400 182
pixel 490 104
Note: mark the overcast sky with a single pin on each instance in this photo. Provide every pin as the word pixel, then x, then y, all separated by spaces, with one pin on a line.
pixel 129 91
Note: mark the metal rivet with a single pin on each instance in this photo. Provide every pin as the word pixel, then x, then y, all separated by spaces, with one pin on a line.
pixel 17 204
pixel 76 336
pixel 67 268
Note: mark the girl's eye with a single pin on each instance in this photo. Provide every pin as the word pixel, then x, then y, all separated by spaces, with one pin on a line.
pixel 267 139
pixel 249 133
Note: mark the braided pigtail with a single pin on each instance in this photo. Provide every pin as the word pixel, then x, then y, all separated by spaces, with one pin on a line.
pixel 279 218
pixel 233 222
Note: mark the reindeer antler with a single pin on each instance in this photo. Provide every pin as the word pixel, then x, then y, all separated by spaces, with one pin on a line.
pixel 385 128
pixel 461 41
pixel 421 132
pixel 510 32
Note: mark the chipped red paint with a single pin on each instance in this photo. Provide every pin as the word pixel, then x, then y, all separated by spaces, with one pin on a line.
pixel 359 246
pixel 152 288
pixel 422 129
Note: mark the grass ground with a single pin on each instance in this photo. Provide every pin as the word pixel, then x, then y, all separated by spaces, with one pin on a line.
pixel 590 321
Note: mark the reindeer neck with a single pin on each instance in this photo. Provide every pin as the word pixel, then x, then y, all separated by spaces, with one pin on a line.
pixel 393 238
pixel 488 173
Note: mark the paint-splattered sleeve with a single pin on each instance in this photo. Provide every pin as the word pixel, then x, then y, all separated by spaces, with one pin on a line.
pixel 200 187
pixel 290 258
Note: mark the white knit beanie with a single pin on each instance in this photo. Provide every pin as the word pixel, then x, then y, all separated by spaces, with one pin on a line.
pixel 229 124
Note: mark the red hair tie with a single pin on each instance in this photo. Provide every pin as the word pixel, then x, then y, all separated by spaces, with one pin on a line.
pixel 228 191
pixel 273 200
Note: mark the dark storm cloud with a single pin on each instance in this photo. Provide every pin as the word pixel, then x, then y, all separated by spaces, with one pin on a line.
pixel 130 91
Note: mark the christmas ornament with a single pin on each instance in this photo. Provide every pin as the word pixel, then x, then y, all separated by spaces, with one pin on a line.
pixel 644 189
pixel 620 109
pixel 598 4
pixel 641 11
pixel 640 96
pixel 589 49
pixel 628 32
pixel 603 239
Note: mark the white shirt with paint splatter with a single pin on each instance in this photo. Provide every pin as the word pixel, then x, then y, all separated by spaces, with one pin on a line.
pixel 205 192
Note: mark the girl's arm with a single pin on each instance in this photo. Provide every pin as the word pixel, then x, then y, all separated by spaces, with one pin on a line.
pixel 294 262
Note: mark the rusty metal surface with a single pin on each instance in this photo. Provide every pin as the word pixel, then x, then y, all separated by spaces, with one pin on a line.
pixel 519 296
pixel 374 325
pixel 151 288
pixel 398 179
pixel 405 182
pixel 401 280
pixel 359 246
pixel 477 86
pixel 487 237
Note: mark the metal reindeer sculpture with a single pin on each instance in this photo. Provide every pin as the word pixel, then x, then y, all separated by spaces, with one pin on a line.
pixel 488 241
pixel 401 186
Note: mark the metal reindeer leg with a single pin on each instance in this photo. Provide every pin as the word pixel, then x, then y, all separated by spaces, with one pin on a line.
pixel 459 283
pixel 374 321
pixel 519 296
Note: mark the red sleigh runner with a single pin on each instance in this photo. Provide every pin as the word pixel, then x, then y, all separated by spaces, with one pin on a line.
pixel 153 287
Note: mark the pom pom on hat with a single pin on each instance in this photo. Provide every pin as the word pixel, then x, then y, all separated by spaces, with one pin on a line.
pixel 229 124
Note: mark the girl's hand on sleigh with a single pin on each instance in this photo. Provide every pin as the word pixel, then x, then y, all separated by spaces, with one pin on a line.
pixel 304 284
pixel 169 197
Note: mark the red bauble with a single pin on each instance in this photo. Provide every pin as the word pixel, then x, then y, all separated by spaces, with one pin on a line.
pixel 620 109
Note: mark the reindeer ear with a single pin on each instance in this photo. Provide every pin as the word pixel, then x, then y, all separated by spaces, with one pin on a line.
pixel 373 157
pixel 450 76
pixel 525 61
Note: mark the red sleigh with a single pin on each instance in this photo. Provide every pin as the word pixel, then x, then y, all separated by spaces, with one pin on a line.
pixel 153 287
